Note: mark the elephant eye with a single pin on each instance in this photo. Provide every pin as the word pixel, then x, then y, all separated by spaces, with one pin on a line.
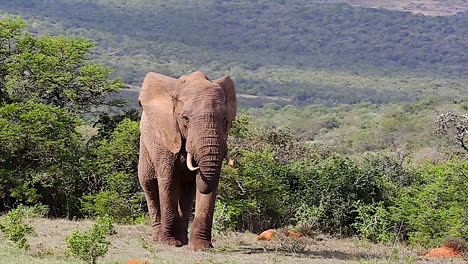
pixel 186 119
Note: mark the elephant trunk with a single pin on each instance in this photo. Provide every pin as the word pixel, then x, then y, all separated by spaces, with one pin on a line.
pixel 210 154
pixel 210 163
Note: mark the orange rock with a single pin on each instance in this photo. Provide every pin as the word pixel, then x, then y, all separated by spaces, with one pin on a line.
pixel 266 235
pixel 443 252
pixel 136 261
pixel 291 233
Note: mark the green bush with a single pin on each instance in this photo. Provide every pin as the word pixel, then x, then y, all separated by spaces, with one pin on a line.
pixel 264 192
pixel 113 166
pixel 37 210
pixel 374 222
pixel 436 207
pixel 241 126
pixel 39 154
pixel 281 181
pixel 332 186
pixel 229 214
pixel 254 196
pixel 91 244
pixel 391 172
pixel 47 83
pixel 14 227
pixel 308 216
pixel 113 204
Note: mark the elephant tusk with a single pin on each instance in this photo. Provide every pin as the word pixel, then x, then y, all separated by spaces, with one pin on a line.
pixel 230 161
pixel 189 163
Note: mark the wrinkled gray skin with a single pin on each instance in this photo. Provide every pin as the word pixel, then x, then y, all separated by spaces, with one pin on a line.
pixel 191 114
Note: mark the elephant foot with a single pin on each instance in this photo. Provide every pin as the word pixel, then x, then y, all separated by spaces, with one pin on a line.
pixel 183 238
pixel 171 241
pixel 197 244
pixel 156 233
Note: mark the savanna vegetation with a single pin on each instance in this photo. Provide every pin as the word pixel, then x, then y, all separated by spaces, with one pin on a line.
pixel 366 135
pixel 297 50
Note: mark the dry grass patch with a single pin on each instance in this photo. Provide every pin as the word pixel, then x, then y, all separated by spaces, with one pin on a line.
pixel 135 242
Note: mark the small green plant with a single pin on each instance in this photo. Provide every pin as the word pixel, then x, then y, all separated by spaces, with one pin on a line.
pixel 146 244
pixel 38 210
pixel 91 244
pixel 14 227
pixel 307 218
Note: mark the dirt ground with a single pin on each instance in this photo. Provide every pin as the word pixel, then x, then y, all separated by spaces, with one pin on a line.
pixel 134 241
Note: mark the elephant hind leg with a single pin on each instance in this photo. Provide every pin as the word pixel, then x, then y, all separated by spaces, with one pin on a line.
pixel 149 184
pixel 150 188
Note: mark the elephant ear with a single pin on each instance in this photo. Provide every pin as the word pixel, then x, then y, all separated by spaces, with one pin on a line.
pixel 156 100
pixel 231 100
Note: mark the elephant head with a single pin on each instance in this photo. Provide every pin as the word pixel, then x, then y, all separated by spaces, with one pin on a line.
pixel 194 113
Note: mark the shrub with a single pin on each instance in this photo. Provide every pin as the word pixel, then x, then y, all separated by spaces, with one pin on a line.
pixel 436 207
pixel 122 208
pixel 254 196
pixel 231 214
pixel 117 192
pixel 373 222
pixel 327 191
pixel 307 219
pixel 14 227
pixel 241 126
pixel 105 203
pixel 91 244
pixel 37 210
pixel 39 155
pixel 265 192
pixel 390 171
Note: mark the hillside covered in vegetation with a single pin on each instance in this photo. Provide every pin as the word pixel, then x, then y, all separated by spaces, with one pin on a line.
pixel 299 50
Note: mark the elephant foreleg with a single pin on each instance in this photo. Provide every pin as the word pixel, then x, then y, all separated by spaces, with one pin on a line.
pixel 200 236
pixel 149 184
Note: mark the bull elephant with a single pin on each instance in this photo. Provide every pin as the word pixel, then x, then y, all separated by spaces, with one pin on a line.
pixel 184 129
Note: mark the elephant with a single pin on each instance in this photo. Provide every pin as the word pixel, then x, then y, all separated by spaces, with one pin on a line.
pixel 184 129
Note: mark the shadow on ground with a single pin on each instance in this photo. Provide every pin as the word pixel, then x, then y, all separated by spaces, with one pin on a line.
pixel 319 254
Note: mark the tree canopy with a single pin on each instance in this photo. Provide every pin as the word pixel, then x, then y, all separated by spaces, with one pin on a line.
pixel 47 85
pixel 54 70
